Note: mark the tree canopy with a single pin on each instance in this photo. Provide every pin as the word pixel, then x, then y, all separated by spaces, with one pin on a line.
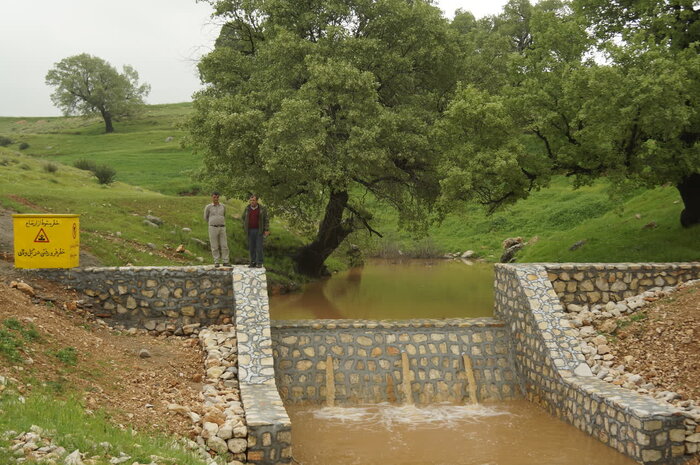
pixel 625 109
pixel 317 104
pixel 88 85
pixel 324 106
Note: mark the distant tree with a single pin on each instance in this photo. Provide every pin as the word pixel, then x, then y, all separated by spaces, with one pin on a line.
pixel 88 85
pixel 325 108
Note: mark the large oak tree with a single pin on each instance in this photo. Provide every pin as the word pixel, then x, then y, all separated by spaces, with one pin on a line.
pixel 88 85
pixel 608 88
pixel 321 105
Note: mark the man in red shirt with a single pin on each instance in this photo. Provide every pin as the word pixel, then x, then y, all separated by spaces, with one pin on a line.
pixel 256 226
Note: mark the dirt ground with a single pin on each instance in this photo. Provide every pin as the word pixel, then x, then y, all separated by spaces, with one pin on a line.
pixel 109 372
pixel 665 343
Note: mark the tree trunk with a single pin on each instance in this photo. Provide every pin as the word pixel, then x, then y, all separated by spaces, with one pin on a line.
pixel 108 121
pixel 331 233
pixel 689 187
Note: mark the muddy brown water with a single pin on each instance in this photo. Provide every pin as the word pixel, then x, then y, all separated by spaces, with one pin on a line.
pixel 391 289
pixel 511 433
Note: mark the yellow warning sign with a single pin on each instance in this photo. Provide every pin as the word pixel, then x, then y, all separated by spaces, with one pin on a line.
pixel 46 241
pixel 41 236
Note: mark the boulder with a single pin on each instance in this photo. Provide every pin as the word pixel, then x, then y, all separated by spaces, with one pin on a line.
pixel 509 254
pixel 511 241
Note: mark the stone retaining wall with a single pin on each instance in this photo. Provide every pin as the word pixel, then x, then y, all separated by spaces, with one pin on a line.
pixel 269 427
pixel 554 371
pixel 162 299
pixel 591 283
pixel 372 360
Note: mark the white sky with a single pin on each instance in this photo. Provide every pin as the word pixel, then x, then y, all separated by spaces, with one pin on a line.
pixel 161 39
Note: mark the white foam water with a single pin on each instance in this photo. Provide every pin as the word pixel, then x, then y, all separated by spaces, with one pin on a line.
pixel 388 415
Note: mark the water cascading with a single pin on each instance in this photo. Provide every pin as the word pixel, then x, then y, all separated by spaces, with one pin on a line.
pixel 471 379
pixel 330 382
pixel 406 379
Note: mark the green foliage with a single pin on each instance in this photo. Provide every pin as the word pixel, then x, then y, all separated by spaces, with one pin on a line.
pixel 88 85
pixel 105 174
pixel 67 355
pixel 12 338
pixel 10 346
pixel 66 422
pixel 315 116
pixel 50 167
pixel 12 323
pixel 141 152
pixel 23 146
pixel 85 164
pixel 632 119
pixel 5 141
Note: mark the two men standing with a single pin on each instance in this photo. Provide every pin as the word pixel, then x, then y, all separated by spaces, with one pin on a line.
pixel 256 226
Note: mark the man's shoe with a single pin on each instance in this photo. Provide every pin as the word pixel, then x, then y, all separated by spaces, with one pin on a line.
pixel 252 265
pixel 227 264
pixel 216 265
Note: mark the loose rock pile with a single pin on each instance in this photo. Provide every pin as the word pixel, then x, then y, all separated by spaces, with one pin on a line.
pixel 38 446
pixel 222 429
pixel 594 322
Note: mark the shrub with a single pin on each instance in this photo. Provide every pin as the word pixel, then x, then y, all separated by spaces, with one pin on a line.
pixel 105 174
pixel 50 167
pixel 67 355
pixel 5 141
pixel 85 164
pixel 23 146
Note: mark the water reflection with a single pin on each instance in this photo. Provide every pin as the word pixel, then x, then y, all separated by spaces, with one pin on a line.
pixel 385 289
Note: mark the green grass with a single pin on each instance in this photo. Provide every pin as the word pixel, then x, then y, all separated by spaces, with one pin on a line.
pixel 67 356
pixel 150 172
pixel 140 149
pixel 106 210
pixel 71 427
pixel 13 335
pixel 558 217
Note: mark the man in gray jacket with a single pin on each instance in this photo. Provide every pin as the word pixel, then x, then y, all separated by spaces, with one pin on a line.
pixel 215 216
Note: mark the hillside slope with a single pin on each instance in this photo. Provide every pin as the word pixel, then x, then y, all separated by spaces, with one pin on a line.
pixel 145 151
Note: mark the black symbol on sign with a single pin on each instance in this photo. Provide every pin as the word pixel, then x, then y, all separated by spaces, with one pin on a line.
pixel 41 236
pixel 75 230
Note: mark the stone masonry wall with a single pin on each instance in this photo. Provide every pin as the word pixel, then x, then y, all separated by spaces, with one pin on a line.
pixel 269 427
pixel 367 360
pixel 162 299
pixel 556 376
pixel 591 283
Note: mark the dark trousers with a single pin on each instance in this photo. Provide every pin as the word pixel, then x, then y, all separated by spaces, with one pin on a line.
pixel 255 246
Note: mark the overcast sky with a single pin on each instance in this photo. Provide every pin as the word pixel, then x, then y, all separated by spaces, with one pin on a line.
pixel 161 39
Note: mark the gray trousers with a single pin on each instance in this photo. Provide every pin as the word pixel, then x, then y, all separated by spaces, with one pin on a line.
pixel 219 245
pixel 255 246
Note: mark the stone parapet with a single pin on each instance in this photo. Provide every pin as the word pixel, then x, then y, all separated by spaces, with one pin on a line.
pixel 406 361
pixel 555 374
pixel 591 283
pixel 269 427
pixel 161 299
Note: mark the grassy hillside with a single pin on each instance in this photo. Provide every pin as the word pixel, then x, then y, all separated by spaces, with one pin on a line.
pixel 112 217
pixel 557 218
pixel 146 152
